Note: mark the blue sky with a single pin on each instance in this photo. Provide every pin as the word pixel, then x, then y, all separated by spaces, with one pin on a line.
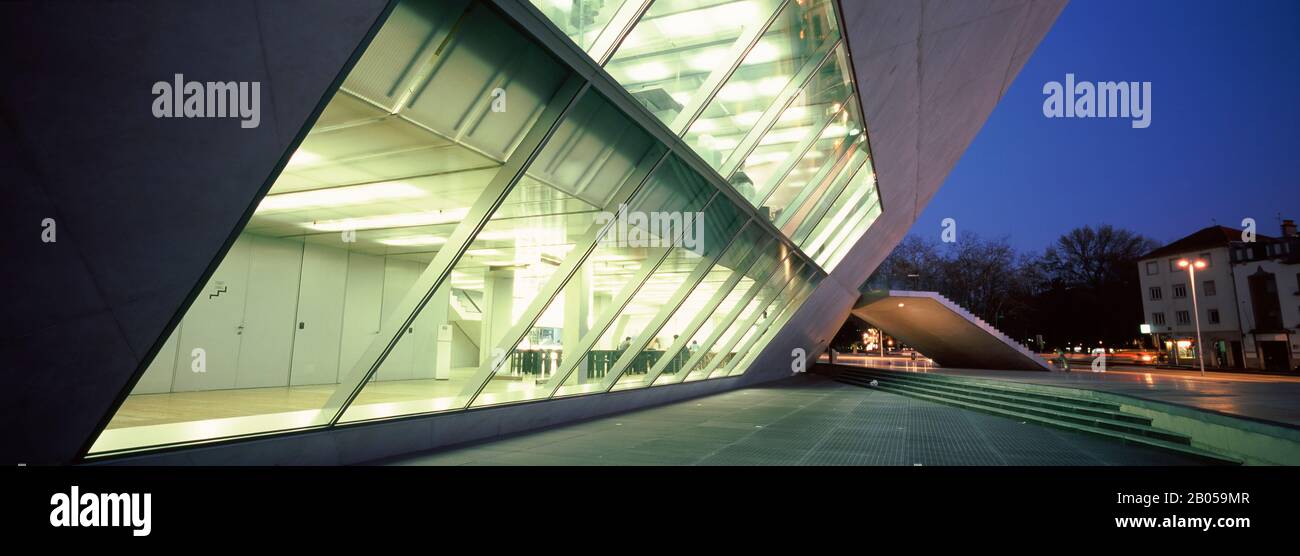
pixel 1223 144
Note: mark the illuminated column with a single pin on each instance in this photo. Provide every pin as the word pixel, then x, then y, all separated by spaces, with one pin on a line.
pixel 498 309
pixel 577 305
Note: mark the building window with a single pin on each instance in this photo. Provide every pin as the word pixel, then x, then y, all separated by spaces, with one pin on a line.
pixel 1158 319
pixel 1154 268
pixel 1180 291
pixel 1156 294
pixel 1214 316
pixel 1173 265
pixel 1209 288
pixel 1209 261
pixel 1183 317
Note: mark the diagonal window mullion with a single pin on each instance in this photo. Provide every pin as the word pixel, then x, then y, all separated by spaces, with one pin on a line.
pixel 712 304
pixel 555 284
pixel 751 344
pixel 780 175
pixel 719 76
pixel 807 200
pixel 772 331
pixel 835 186
pixel 611 312
pixel 824 54
pixel 439 269
pixel 731 316
pixel 617 30
pixel 665 312
pixel 740 326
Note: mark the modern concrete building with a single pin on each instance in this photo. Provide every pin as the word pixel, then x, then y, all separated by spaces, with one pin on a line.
pixel 436 221
pixel 1266 274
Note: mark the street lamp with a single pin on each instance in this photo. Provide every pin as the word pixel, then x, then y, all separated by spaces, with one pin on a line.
pixel 1191 267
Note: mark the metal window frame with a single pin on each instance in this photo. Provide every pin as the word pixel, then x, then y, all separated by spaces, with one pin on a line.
pixel 555 284
pixel 746 264
pixel 735 332
pixel 666 312
pixel 616 307
pixel 439 269
pixel 768 119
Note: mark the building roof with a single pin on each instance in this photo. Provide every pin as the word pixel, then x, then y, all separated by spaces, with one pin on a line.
pixel 1205 238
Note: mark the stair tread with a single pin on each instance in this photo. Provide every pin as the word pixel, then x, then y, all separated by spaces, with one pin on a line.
pixel 1064 414
pixel 1063 402
pixel 1058 405
pixel 1134 438
pixel 1009 388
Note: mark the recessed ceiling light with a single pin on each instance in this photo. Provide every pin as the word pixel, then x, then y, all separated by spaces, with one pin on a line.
pixel 391 220
pixel 339 196
pixel 414 241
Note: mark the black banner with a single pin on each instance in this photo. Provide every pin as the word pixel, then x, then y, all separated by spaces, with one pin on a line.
pixel 147 505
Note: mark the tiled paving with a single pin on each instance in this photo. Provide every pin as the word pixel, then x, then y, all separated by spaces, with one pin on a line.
pixel 808 420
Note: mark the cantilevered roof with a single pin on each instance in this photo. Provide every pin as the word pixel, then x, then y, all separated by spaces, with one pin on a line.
pixel 945 332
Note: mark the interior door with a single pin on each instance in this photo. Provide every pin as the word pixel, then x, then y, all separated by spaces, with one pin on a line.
pixel 207 355
pixel 266 350
pixel 319 325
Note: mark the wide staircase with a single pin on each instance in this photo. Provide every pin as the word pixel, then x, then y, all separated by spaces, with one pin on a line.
pixel 1015 401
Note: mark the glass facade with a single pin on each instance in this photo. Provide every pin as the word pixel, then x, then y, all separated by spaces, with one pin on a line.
pixel 471 223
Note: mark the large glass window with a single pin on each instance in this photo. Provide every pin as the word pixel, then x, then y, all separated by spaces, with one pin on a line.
pixel 846 219
pixel 462 227
pixel 735 305
pixel 516 261
pixel 675 321
pixel 753 351
pixel 594 25
pixel 616 326
pixel 820 123
pixel 723 351
pixel 755 95
pixel 635 238
pixel 680 50
pixel 389 172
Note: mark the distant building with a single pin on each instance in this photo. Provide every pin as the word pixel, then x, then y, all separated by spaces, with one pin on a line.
pixel 1167 302
pixel 1266 275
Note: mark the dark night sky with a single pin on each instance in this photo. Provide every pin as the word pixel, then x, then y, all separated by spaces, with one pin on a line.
pixel 1223 144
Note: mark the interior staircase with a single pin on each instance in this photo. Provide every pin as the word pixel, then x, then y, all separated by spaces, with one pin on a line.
pixel 1012 400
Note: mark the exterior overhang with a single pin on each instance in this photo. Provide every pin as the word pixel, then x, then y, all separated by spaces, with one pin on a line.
pixel 945 332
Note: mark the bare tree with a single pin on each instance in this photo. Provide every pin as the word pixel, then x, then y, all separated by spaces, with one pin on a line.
pixel 1094 257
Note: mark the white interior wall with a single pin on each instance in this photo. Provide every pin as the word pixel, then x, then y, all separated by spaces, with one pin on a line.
pixel 270 286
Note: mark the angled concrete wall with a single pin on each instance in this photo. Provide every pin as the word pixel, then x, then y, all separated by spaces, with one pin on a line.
pixel 142 205
pixel 930 73
pixel 946 332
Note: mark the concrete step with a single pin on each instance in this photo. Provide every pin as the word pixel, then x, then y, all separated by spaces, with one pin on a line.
pixel 1066 404
pixel 1011 400
pixel 1002 387
pixel 1027 409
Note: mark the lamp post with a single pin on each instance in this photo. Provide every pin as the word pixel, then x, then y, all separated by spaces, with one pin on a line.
pixel 1191 267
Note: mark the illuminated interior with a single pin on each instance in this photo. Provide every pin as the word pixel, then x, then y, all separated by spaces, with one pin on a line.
pixel 464 226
